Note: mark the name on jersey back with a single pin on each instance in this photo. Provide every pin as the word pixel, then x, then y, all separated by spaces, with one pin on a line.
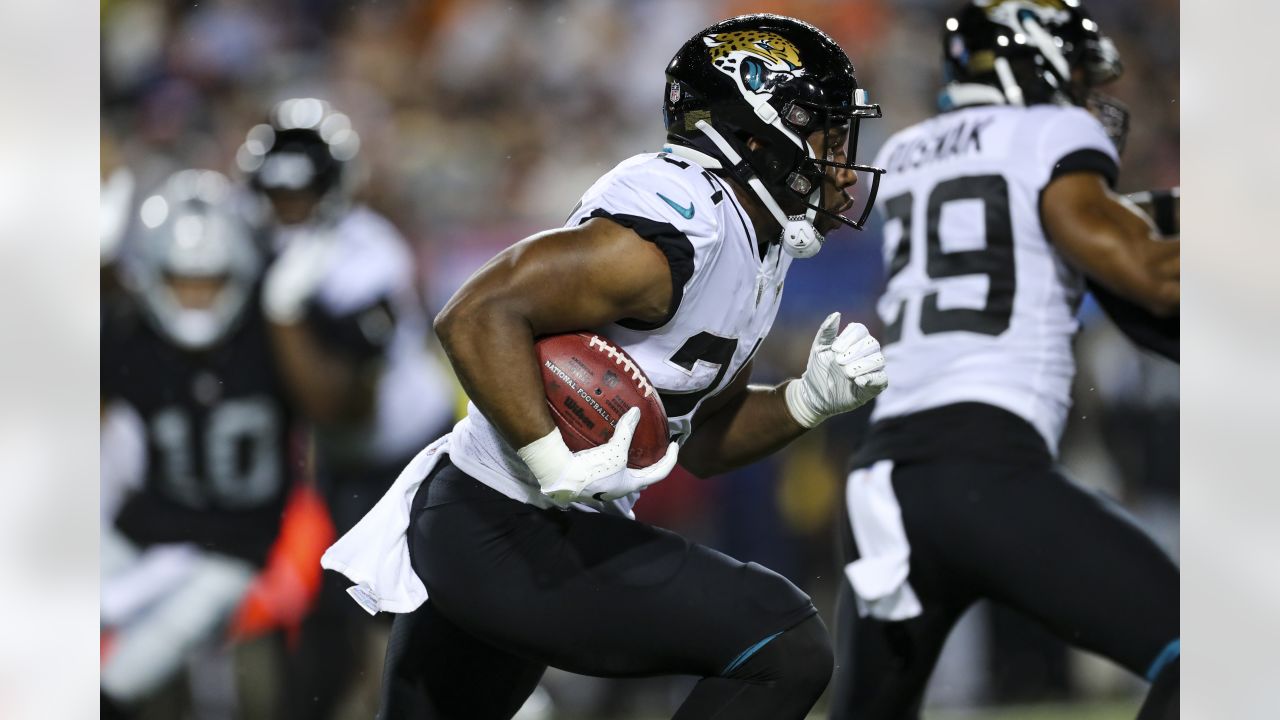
pixel 962 138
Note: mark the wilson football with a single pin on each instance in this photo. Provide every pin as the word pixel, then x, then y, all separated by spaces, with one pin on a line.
pixel 590 383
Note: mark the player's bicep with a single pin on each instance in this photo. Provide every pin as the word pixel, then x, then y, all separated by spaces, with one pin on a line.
pixel 562 280
pixel 1108 239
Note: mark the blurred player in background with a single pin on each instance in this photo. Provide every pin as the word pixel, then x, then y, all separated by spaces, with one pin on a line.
pixel 997 210
pixel 190 354
pixel 530 552
pixel 351 334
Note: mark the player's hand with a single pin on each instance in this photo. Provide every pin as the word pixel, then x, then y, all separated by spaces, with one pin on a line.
pixel 846 370
pixel 599 473
pixel 292 279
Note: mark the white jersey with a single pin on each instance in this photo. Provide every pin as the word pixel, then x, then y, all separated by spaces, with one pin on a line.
pixel 725 299
pixel 371 281
pixel 979 305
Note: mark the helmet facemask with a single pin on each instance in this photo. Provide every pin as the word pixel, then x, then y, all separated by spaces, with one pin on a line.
pixel 837 129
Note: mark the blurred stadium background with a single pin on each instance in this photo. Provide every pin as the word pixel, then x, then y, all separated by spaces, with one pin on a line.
pixel 483 121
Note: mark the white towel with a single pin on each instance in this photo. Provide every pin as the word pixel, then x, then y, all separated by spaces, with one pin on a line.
pixel 879 575
pixel 375 553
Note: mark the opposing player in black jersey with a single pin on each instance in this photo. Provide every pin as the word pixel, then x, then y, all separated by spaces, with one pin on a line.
pixel 997 210
pixel 192 357
pixel 529 552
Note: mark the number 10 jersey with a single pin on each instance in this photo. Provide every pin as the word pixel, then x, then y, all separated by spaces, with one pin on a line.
pixel 979 305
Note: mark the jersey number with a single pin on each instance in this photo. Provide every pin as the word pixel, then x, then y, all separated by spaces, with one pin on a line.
pixel 995 259
pixel 707 348
pixel 241 455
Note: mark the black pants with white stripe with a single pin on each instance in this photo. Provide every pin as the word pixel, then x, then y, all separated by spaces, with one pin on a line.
pixel 514 589
pixel 987 516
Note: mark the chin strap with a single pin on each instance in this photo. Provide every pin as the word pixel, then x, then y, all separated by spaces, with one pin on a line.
pixel 799 236
pixel 1012 90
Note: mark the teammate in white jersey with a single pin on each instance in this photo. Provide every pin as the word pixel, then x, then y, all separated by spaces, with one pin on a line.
pixel 997 210
pixel 679 257
pixel 351 335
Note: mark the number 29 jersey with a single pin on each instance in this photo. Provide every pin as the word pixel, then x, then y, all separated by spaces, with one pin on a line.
pixel 725 298
pixel 979 306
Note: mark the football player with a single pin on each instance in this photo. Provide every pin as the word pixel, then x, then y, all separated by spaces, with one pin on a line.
pixel 529 551
pixel 352 338
pixel 191 356
pixel 996 212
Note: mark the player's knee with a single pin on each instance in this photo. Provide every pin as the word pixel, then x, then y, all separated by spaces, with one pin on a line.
pixel 799 660
pixel 809 652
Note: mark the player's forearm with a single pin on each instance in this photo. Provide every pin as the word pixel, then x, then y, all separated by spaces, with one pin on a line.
pixel 750 427
pixel 491 351
pixel 1108 237
pixel 1146 271
pixel 327 388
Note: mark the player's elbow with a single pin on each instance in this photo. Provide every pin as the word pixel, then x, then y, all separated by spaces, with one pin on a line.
pixel 1164 299
pixel 1141 273
pixel 700 460
pixel 1158 284
pixel 697 467
pixel 445 324
pixel 452 324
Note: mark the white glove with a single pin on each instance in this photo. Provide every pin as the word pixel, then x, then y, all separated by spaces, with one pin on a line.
pixel 844 373
pixel 294 276
pixel 600 473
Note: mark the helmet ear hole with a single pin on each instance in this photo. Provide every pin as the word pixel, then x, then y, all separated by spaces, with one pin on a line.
pixel 799 183
pixel 799 117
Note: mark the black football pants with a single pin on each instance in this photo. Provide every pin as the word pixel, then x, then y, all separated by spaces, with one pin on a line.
pixel 1020 534
pixel 514 589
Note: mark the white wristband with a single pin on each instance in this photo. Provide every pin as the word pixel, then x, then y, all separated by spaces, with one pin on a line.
pixel 546 457
pixel 799 406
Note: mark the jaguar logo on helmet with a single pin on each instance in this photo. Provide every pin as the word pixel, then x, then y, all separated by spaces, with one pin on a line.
pixel 1010 12
pixel 751 57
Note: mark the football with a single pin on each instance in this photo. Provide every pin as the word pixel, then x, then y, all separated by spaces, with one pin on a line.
pixel 590 383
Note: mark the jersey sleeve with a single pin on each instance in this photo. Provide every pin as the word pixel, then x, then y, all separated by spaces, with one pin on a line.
pixel 360 301
pixel 668 202
pixel 1073 141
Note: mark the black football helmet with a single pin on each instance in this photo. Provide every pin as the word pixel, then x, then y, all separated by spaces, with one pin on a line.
pixel 776 79
pixel 304 146
pixel 1027 52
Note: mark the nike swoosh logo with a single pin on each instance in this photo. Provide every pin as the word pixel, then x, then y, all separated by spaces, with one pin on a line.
pixel 600 495
pixel 686 212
